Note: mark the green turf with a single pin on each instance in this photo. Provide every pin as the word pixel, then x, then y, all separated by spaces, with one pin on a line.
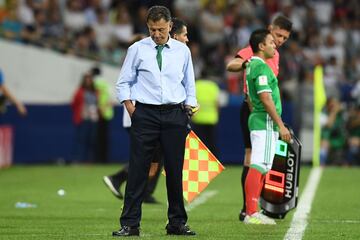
pixel 336 208
pixel 90 211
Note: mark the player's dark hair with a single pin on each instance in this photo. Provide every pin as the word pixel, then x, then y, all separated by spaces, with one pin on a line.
pixel 156 13
pixel 177 26
pixel 257 37
pixel 282 22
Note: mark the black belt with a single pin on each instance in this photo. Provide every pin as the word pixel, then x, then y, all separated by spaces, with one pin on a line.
pixel 160 107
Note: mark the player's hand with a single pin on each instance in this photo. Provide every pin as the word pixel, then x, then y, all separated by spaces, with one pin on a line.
pixel 285 134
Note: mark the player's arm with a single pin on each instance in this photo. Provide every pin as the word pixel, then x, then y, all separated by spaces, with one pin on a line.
pixel 269 106
pixel 19 106
pixel 235 65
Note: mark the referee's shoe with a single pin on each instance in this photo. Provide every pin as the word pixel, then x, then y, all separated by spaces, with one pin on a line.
pixel 113 186
pixel 242 215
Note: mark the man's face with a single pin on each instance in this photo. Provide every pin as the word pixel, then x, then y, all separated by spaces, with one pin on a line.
pixel 269 46
pixel 159 31
pixel 182 36
pixel 280 35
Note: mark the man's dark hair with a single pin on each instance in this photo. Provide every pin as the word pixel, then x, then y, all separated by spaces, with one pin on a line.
pixel 95 71
pixel 156 13
pixel 282 22
pixel 177 26
pixel 257 37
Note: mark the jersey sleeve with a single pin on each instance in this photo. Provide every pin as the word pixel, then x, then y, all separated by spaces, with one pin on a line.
pixel 262 80
pixel 245 53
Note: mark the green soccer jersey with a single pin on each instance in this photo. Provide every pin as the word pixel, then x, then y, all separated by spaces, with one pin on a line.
pixel 260 78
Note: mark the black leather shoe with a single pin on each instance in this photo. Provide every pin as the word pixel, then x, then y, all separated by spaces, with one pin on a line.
pixel 126 231
pixel 179 230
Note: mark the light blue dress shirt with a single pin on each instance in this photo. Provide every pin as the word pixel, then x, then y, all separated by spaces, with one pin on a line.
pixel 141 79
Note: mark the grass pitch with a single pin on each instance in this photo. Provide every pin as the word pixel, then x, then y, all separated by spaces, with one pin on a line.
pixel 89 211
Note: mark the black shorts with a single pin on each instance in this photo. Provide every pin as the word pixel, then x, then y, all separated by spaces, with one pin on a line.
pixel 244 117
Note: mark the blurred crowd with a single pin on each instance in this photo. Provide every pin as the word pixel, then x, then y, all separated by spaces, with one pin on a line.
pixel 326 32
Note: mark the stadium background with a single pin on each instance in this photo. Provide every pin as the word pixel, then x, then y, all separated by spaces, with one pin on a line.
pixel 46 45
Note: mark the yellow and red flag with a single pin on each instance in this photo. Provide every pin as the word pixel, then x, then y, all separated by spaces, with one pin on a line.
pixel 200 167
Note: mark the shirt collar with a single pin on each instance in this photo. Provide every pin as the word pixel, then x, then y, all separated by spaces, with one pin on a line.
pixel 168 44
pixel 259 58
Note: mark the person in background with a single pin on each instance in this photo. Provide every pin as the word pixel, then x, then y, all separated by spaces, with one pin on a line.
pixel 106 114
pixel 280 29
pixel 115 181
pixel 85 117
pixel 265 121
pixel 5 94
pixel 353 128
pixel 158 75
pixel 179 30
pixel 333 133
pixel 206 119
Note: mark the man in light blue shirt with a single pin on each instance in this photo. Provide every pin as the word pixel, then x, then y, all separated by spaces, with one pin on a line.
pixel 115 181
pixel 158 75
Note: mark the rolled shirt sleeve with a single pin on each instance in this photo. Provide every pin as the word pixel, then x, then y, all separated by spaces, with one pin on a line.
pixel 189 81
pixel 127 75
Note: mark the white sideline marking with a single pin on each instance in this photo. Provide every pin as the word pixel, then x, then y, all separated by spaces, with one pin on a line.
pixel 299 221
pixel 339 221
pixel 200 200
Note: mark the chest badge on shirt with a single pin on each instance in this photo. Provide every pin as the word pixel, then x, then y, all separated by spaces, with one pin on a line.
pixel 263 81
